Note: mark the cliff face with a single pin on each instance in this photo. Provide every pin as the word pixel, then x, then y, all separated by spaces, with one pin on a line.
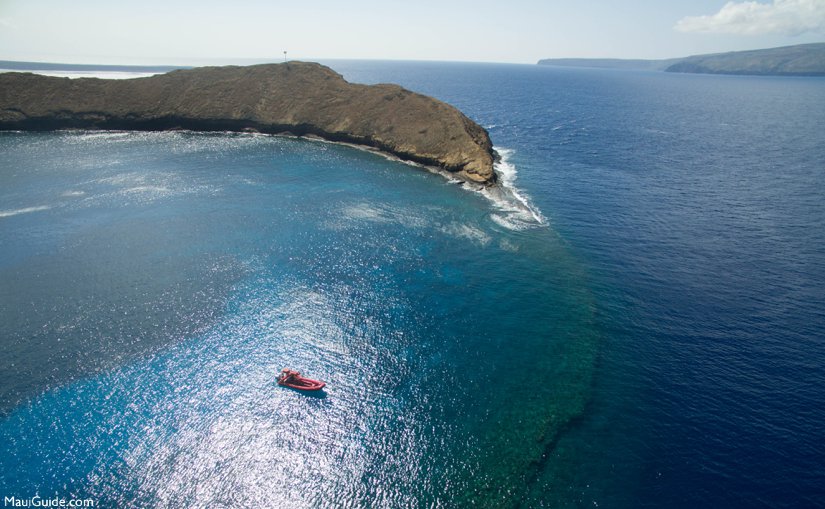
pixel 295 97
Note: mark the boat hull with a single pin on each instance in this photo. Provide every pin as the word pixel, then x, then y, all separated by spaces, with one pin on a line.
pixel 303 384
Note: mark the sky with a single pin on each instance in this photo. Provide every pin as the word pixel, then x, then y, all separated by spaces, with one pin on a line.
pixel 517 31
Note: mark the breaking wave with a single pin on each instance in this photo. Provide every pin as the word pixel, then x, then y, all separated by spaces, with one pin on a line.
pixel 515 209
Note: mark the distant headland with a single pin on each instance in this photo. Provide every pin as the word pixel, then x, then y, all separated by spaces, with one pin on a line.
pixel 298 98
pixel 800 60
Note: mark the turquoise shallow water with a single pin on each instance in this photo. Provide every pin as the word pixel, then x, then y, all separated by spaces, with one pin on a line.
pixel 184 270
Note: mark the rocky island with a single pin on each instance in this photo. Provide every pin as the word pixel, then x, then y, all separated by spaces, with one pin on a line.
pixel 297 98
pixel 799 60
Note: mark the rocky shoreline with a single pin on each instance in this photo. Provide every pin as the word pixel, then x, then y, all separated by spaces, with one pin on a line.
pixel 295 98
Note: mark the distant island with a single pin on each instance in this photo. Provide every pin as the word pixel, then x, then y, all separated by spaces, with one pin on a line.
pixel 297 98
pixel 800 60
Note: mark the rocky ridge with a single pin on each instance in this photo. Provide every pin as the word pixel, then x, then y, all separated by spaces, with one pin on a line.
pixel 298 98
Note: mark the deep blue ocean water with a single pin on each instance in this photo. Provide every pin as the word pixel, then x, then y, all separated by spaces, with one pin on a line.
pixel 652 335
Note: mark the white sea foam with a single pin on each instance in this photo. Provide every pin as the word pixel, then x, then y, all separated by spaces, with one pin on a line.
pixel 159 190
pixel 472 233
pixel 102 135
pixel 506 245
pixel 516 210
pixel 359 213
pixel 131 188
pixel 366 212
pixel 26 210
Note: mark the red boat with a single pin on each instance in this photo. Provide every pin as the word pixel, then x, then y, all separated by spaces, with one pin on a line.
pixel 293 379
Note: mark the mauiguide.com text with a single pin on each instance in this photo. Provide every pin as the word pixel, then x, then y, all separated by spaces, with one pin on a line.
pixel 38 501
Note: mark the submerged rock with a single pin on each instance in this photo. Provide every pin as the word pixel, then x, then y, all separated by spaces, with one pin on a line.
pixel 299 98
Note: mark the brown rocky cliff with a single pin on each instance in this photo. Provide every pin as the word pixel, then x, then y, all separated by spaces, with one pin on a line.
pixel 296 97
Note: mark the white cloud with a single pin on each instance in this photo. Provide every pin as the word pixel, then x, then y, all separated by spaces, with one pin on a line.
pixel 783 17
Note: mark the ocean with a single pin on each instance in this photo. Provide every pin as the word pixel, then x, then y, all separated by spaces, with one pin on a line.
pixel 638 322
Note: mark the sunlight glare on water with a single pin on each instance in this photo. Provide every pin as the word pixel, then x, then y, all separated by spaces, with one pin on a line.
pixel 397 288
